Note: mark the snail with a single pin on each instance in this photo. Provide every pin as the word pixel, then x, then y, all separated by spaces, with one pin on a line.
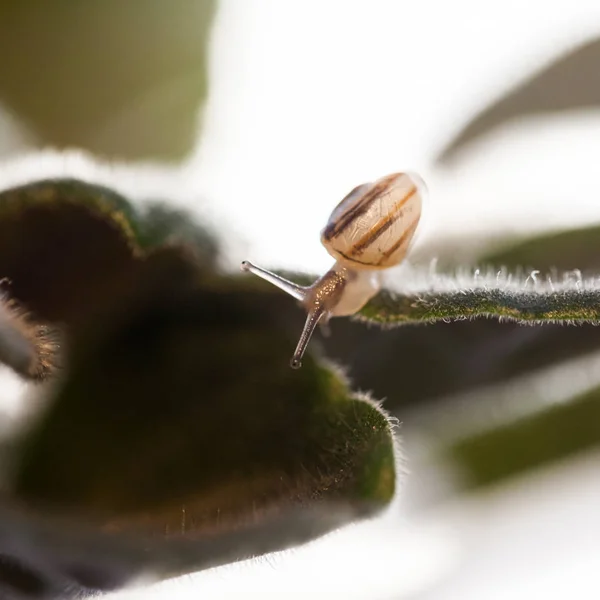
pixel 369 230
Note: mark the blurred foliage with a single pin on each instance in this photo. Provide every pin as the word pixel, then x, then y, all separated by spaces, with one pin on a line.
pixel 162 358
pixel 66 246
pixel 63 249
pixel 567 83
pixel 464 355
pixel 30 349
pixel 178 438
pixel 553 433
pixel 176 422
pixel 122 79
pixel 556 251
pixel 570 82
pixel 47 558
pixel 162 224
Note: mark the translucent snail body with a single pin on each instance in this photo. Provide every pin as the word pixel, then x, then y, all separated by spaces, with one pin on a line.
pixel 369 230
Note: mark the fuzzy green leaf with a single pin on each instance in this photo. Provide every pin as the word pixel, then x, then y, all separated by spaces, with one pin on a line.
pixel 181 421
pixel 525 299
pixel 161 224
pixel 29 348
pixel 464 351
pixel 64 244
pixel 45 558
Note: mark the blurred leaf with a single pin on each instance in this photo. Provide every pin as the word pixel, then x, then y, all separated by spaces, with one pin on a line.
pixel 558 251
pixel 44 558
pixel 180 419
pixel 162 224
pixel 549 435
pixel 30 349
pixel 123 79
pixel 570 82
pixel 64 245
pixel 463 355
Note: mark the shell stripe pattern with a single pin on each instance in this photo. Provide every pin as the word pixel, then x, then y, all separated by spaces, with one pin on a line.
pixel 382 226
pixel 346 219
pixel 404 239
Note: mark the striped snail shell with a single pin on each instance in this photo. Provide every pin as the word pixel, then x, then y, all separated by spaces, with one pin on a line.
pixel 372 227
pixel 369 230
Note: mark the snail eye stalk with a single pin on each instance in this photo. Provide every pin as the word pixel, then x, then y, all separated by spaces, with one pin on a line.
pixel 309 327
pixel 293 289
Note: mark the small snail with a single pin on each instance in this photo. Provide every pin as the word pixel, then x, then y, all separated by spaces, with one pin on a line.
pixel 368 231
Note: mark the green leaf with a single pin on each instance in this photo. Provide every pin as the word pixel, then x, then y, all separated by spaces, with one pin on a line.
pixel 161 224
pixel 181 419
pixel 525 299
pixel 67 245
pixel 568 83
pixel 569 250
pixel 64 244
pixel 132 76
pixel 464 352
pixel 46 557
pixel 554 433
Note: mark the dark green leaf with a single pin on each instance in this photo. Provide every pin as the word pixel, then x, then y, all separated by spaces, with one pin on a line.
pixel 180 418
pixel 64 245
pixel 44 558
pixel 161 224
pixel 568 305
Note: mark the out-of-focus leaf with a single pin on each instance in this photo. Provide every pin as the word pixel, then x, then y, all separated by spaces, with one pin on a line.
pixel 181 419
pixel 463 355
pixel 554 433
pixel 44 558
pixel 122 79
pixel 64 245
pixel 30 349
pixel 570 82
pixel 559 251
pixel 162 224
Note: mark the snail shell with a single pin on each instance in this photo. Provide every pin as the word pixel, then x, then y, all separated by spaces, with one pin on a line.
pixel 373 226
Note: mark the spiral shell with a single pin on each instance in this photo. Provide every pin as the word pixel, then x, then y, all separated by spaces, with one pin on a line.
pixel 373 226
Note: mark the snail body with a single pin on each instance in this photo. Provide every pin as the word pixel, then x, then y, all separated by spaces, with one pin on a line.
pixel 369 230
